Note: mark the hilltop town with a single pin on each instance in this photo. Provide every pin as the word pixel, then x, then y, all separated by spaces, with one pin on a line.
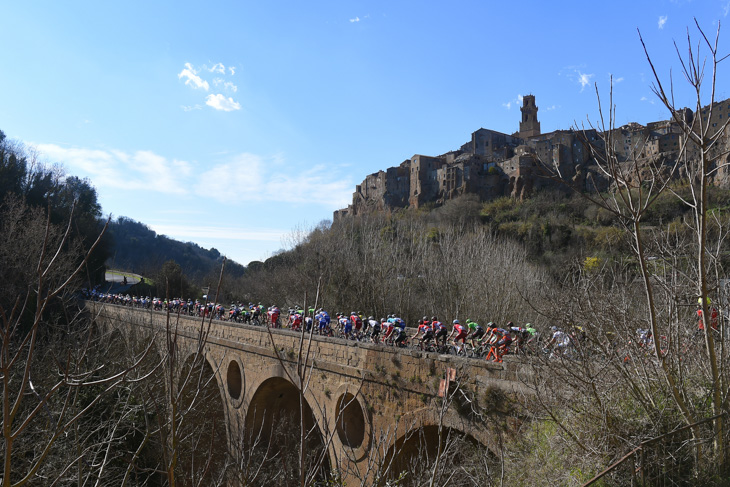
pixel 494 164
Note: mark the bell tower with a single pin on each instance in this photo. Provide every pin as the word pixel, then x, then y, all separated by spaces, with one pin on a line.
pixel 529 126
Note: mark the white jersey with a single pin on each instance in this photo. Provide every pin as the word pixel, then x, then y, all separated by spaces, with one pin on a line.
pixel 561 338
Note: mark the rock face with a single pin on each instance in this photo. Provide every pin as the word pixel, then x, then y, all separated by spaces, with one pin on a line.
pixel 493 164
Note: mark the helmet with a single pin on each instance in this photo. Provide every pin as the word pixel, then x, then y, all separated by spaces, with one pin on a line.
pixel 509 323
pixel 456 322
pixel 490 324
pixel 383 320
pixel 370 318
pixel 425 318
pixel 554 328
pixel 433 318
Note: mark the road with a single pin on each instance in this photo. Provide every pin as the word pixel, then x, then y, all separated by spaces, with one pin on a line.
pixel 118 276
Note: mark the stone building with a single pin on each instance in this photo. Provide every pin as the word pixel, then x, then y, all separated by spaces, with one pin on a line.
pixel 493 164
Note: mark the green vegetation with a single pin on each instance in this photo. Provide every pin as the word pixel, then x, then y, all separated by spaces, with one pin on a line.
pixel 28 186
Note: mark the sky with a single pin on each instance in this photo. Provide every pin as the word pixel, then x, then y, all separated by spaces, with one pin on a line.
pixel 239 124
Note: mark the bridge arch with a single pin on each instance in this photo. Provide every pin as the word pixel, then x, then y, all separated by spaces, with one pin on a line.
pixel 272 421
pixel 423 433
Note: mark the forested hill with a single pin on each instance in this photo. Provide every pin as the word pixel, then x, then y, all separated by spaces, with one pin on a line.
pixel 138 248
pixel 31 191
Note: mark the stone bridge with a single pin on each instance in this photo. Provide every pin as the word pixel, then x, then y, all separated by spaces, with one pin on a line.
pixel 366 400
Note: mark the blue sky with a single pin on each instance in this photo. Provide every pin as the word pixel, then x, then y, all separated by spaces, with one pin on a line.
pixel 232 124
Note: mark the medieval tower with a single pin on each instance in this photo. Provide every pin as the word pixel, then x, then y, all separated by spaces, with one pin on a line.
pixel 529 126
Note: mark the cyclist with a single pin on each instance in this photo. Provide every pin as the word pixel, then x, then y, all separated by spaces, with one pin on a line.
pixel 399 336
pixel 460 332
pixel 308 323
pixel 561 340
pixel 387 328
pixel 500 341
pixel 439 331
pixel 399 323
pixel 645 338
pixel 295 321
pixel 424 326
pixel 374 328
pixel 273 314
pixel 345 325
pixel 476 332
pixel 714 315
pixel 323 320
pixel 530 337
pixel 357 323
pixel 521 337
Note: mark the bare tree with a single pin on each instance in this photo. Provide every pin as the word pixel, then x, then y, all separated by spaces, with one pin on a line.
pixel 656 291
pixel 39 417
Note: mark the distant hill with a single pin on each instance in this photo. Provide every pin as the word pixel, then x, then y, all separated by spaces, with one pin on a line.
pixel 138 248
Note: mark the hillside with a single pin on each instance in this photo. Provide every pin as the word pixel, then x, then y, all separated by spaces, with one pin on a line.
pixel 137 248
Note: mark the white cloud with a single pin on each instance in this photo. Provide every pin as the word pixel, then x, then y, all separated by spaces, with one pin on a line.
pixel 227 232
pixel 189 108
pixel 232 70
pixel 726 9
pixel 252 171
pixel 517 102
pixel 552 107
pixel 356 19
pixel 140 170
pixel 226 84
pixel 220 102
pixel 224 182
pixel 584 79
pixel 643 98
pixel 191 77
pixel 218 68
pixel 662 21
